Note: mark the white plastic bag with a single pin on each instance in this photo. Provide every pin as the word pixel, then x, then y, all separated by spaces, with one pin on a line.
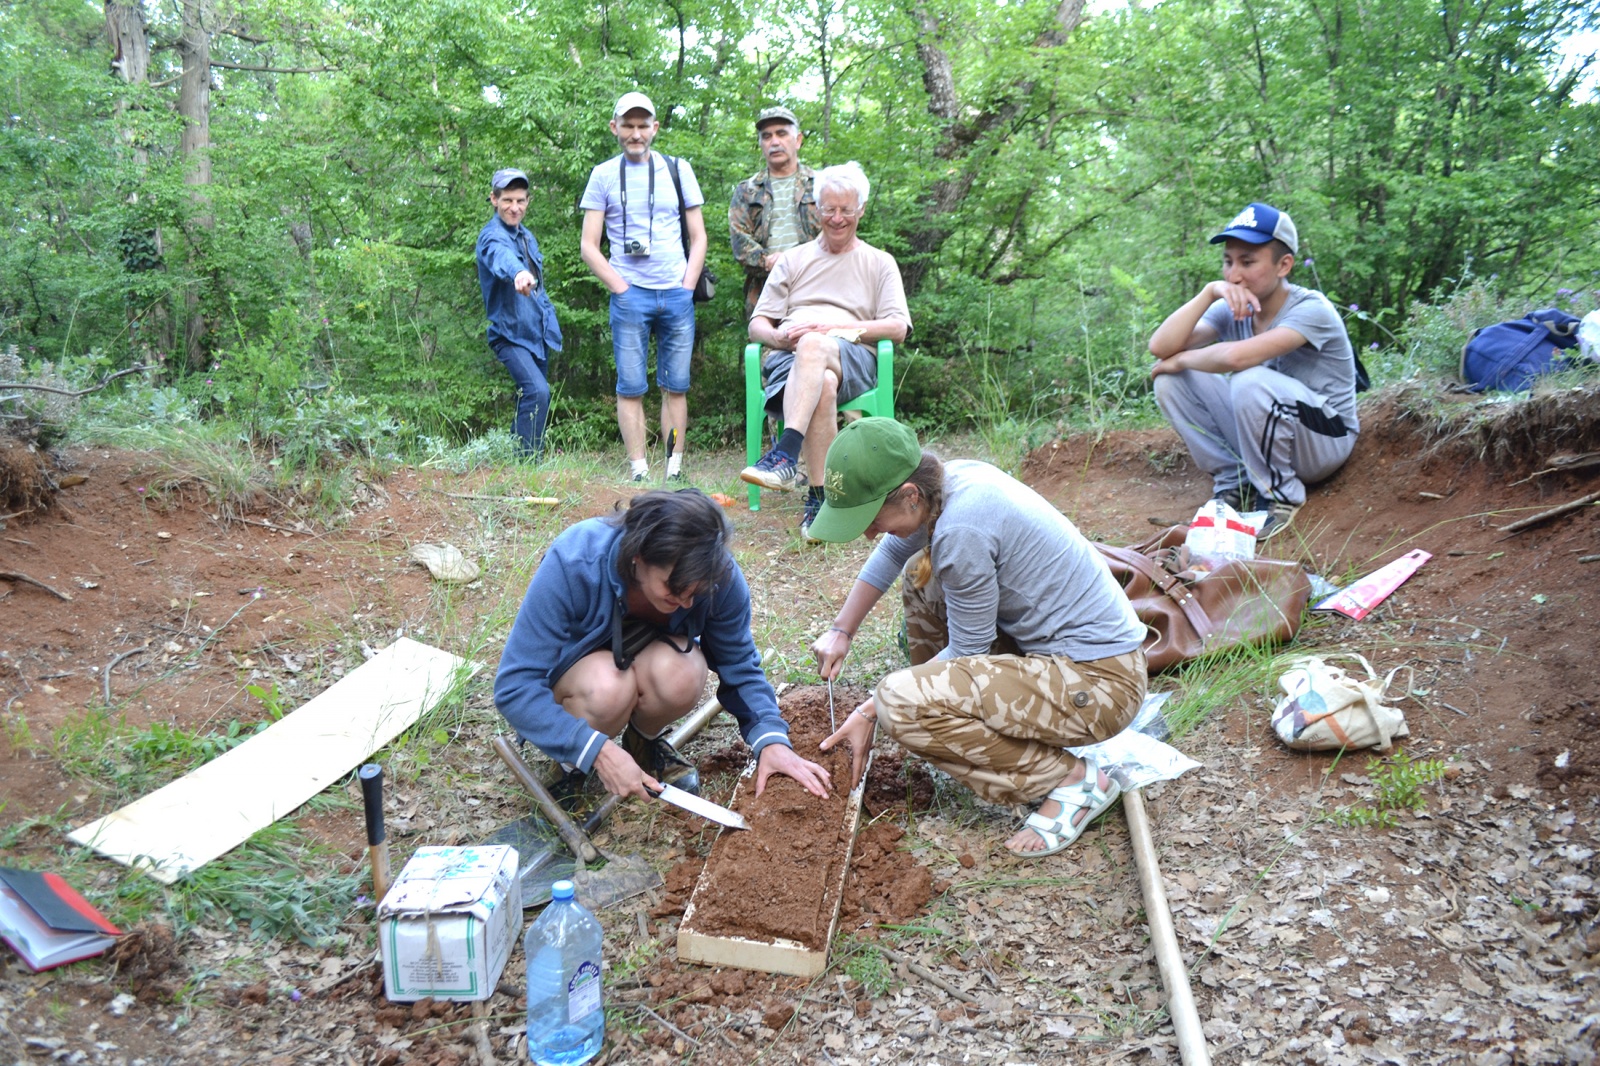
pixel 1218 530
pixel 1324 708
pixel 1589 336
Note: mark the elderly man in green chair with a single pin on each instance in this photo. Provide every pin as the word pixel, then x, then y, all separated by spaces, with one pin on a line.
pixel 826 305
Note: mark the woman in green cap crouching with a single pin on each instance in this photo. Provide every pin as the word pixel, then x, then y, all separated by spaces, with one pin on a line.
pixel 1022 644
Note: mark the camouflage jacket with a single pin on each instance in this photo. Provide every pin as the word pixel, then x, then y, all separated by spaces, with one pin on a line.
pixel 749 216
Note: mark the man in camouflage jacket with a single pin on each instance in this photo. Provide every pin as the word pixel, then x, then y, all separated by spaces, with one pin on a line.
pixel 761 229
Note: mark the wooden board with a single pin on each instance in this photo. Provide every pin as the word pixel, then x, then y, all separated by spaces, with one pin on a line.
pixel 215 808
pixel 776 955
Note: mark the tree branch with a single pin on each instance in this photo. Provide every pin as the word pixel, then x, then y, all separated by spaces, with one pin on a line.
pixel 108 379
pixel 272 70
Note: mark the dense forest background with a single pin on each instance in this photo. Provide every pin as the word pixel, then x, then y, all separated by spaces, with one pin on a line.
pixel 275 203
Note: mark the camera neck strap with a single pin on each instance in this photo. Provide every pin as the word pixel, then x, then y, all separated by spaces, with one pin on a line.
pixel 650 201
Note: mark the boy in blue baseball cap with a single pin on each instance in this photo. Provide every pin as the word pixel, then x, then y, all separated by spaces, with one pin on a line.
pixel 1257 374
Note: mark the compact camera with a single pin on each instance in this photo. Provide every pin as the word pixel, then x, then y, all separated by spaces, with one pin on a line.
pixel 633 246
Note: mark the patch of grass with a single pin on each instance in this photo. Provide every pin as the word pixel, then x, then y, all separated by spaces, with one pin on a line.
pixel 19 736
pixel 279 883
pixel 129 761
pixel 1219 681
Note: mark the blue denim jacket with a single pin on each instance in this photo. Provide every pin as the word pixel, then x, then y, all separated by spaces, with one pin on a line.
pixel 529 322
pixel 567 614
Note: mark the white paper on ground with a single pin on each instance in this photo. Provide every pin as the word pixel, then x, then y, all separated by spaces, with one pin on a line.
pixel 1135 757
pixel 215 808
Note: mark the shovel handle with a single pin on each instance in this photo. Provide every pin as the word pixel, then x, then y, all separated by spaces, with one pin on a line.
pixel 572 836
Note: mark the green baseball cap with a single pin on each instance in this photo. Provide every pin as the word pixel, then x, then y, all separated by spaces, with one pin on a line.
pixel 869 459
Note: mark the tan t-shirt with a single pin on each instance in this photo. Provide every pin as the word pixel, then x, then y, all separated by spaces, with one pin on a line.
pixel 809 284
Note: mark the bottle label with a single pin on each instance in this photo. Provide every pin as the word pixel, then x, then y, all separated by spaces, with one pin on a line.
pixel 583 991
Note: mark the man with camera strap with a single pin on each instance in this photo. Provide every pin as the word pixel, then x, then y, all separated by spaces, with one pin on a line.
pixel 634 199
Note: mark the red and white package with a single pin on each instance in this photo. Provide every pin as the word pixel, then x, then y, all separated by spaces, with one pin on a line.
pixel 1359 599
pixel 1218 530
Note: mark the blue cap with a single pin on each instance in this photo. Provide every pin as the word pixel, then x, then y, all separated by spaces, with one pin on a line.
pixel 561 890
pixel 507 176
pixel 1260 223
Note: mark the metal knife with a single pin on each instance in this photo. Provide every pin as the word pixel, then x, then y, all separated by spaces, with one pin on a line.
pixel 704 808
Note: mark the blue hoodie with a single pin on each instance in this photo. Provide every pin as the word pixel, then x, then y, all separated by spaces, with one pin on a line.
pixel 567 614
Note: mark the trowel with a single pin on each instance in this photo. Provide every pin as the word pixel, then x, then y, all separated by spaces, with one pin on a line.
pixel 620 877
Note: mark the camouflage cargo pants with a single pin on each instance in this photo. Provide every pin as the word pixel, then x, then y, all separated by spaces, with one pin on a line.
pixel 998 723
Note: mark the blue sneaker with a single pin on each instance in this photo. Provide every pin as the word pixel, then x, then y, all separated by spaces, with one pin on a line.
pixel 776 470
pixel 813 505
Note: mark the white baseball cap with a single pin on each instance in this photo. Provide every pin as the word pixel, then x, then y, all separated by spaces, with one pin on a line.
pixel 633 101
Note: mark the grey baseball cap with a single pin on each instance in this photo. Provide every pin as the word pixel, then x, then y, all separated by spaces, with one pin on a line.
pixel 505 177
pixel 774 114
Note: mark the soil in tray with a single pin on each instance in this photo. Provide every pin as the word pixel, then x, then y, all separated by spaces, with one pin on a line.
pixel 779 880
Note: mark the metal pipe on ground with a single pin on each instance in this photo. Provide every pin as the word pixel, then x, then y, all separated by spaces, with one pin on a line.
pixel 693 722
pixel 1163 937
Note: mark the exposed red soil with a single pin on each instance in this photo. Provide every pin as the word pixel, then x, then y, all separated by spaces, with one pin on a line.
pixel 780 879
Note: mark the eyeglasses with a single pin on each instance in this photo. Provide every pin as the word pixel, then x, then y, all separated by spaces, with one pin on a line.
pixel 837 212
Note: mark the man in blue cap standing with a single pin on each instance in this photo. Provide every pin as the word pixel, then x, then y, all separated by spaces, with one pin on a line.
pixel 523 330
pixel 1257 374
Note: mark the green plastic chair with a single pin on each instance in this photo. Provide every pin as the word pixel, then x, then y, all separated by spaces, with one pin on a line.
pixel 878 400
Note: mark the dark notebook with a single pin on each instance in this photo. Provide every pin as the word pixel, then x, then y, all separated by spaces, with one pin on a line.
pixel 47 922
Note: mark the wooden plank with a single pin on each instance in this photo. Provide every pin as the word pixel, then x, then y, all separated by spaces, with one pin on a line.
pixel 777 955
pixel 216 807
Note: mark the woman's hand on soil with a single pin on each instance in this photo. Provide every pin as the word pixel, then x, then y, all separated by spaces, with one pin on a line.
pixel 782 759
pixel 621 775
pixel 829 650
pixel 857 731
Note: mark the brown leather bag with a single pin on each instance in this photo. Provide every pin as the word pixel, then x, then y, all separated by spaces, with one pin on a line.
pixel 1200 605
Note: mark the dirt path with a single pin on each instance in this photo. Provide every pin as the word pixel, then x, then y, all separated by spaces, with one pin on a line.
pixel 1465 934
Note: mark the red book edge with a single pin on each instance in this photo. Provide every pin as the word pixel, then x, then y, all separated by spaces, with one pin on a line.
pixel 72 898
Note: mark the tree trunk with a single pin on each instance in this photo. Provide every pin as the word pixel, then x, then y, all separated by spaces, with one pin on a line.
pixel 958 138
pixel 141 248
pixel 130 45
pixel 194 107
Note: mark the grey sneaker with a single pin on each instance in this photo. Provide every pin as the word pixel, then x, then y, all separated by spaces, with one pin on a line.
pixel 776 470
pixel 661 760
pixel 1279 517
pixel 1241 498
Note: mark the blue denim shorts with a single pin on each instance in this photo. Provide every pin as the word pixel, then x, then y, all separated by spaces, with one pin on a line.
pixel 668 315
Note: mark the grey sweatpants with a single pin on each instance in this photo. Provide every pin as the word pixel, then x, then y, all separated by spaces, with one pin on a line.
pixel 1256 423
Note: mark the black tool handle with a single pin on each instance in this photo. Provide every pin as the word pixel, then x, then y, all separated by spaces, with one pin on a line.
pixel 372 799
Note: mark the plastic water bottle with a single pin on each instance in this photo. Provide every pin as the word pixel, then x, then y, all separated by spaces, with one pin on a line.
pixel 566 1020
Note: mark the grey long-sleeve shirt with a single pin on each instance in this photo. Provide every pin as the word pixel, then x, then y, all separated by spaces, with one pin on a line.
pixel 1009 561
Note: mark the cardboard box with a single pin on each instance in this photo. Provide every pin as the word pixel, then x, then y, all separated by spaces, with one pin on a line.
pixel 448 923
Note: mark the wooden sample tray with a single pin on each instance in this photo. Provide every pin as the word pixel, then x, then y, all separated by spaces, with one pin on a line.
pixel 769 954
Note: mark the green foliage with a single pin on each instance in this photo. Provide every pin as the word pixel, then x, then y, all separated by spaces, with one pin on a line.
pixel 1047 215
pixel 866 965
pixel 1400 781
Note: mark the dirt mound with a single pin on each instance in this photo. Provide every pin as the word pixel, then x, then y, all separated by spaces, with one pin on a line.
pixel 1497 627
pixel 25 484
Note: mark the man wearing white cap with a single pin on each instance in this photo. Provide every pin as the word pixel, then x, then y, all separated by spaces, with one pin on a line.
pixel 1257 375
pixel 642 201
